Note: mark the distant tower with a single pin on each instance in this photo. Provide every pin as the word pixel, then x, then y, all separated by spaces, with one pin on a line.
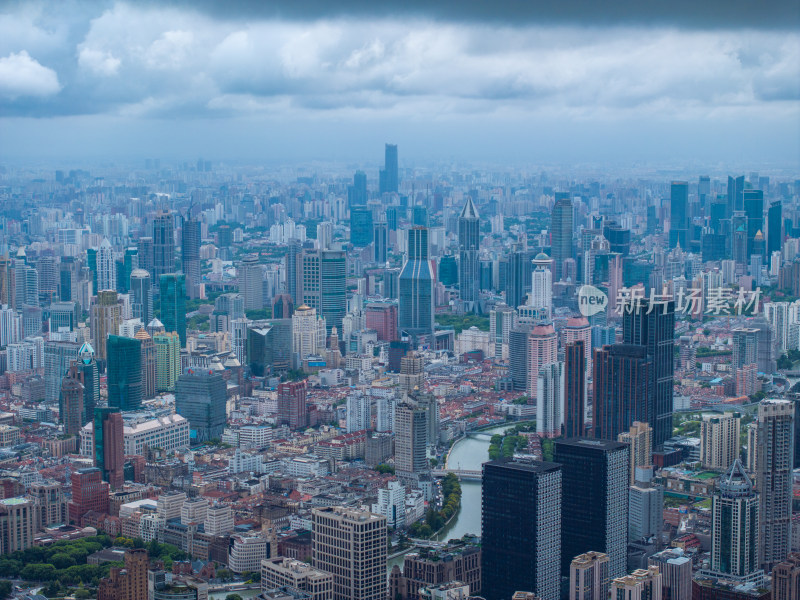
pixel 469 241
pixel 142 295
pixel 416 310
pixel 541 297
pixel 542 349
pixel 71 399
pixel 124 373
pixel 679 210
pixel 575 389
pixel 173 304
pixel 163 245
pixel 251 282
pixel 201 397
pixel 561 232
pixel 292 409
pixel 106 267
pixel 190 256
pixel 389 177
pixel 109 445
pixel 550 400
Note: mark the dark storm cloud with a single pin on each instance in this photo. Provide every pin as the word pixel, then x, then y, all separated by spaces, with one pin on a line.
pixel 702 14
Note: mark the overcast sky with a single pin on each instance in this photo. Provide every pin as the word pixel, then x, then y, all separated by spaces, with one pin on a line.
pixel 518 81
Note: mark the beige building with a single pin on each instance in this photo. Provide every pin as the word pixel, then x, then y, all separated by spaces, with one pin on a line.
pixel 640 439
pixel 104 319
pixel 719 440
pixel 351 545
pixel 752 447
pixel 642 584
pixel 281 571
pixel 588 577
pixel 17 524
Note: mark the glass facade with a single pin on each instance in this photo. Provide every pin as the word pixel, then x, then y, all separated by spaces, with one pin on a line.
pixel 124 372
pixel 173 304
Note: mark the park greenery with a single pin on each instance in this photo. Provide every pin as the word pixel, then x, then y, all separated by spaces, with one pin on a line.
pixel 461 322
pixel 436 519
pixel 504 446
pixel 385 469
pixel 787 361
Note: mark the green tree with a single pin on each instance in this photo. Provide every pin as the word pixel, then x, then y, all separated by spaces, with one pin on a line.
pixel 62 561
pixel 233 597
pixel 38 572
pixel 385 469
pixel 5 588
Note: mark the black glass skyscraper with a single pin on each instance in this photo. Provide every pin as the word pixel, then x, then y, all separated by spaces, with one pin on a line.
pixel 655 330
pixel 560 233
pixel 357 193
pixel 679 207
pixel 381 241
pixel 333 288
pixel 163 245
pixel 735 195
pixel 361 226
pixel 200 398
pixel 774 227
pixel 521 510
pixel 594 509
pixel 416 312
pixel 173 304
pixel 125 388
pixel 518 275
pixel 469 241
pixel 621 386
pixel 575 389
pixel 389 175
pixel 753 201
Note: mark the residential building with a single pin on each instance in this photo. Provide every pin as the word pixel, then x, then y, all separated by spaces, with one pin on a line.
pixel 642 584
pixel 128 583
pixel 676 573
pixel 639 438
pixel 719 440
pixel 457 561
pixel 17 524
pixel 588 577
pixel 168 360
pixel 292 409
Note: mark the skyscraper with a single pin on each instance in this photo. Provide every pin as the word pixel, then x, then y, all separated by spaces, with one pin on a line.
pixel 108 445
pixel 124 373
pixel 575 389
pixel 786 578
pixel 735 195
pixel 745 346
pixel 106 267
pixel 653 327
pixel 251 282
pixel 105 318
pixel 357 193
pixel 416 312
pixel 141 295
pixel 518 277
pixel 775 457
pixel 561 232
pixel 90 380
pixel 541 297
pixel 550 399
pixel 361 233
pixel 57 358
pixel 381 237
pixel 292 409
pixel 389 178
pixel 201 397
pixel 163 245
pixel 293 263
pixel 168 360
pixel 469 241
pixel 351 544
pixel 679 207
pixel 521 524
pixel 676 572
pixel 190 256
pixel 71 401
pixel 411 440
pixel 735 527
pixel 173 304
pixel 518 356
pixel 639 439
pixel 333 288
pixel 719 440
pixel 622 392
pixel 149 372
pixel 588 577
pixel 542 349
pixel 594 508
pixel 753 203
pixel 775 227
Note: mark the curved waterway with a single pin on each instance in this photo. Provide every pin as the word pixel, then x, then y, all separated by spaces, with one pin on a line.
pixel 468 453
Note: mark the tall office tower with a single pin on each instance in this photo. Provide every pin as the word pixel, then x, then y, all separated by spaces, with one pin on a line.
pixel 90 379
pixel 645 511
pixel 173 304
pixel 642 584
pixel 17 524
pixel 333 288
pixel 541 297
pixel 753 203
pixel 594 508
pixel 412 371
pixel 141 295
pixel 501 322
pixel 251 282
pixel 294 271
pixel 47 268
pixel 50 504
pixel 561 232
pixel 621 389
pixel 71 401
pixel 201 397
pixel 738 238
pixel 777 315
pixel 190 256
pixel 163 245
pixel 146 254
pixel 89 492
pixel 129 263
pixel 10 326
pixel 720 439
pixel 128 583
pixel 389 179
pixel 168 360
pixel 542 349
pixel 676 573
pixel 57 358
pixel 518 356
pixel 105 318
pixel 63 317
pixel 381 236
pixel 775 458
pixel 469 242
pixel 735 528
pixel 775 227
pixel 350 544
pixel 357 193
pixel 108 445
pixel 149 372
pixel 361 234
pixel 518 277
pixel 382 318
pixel 588 577
pixel 5 268
pixel 640 440
pixel 416 308
pixel 124 373
pixel 735 195
pixel 106 267
pixel 292 410
pixel 786 578
pixel 751 459
pixel 550 399
pixel 745 346
pixel 282 306
pixel 679 213
pixel 521 524
pixel 653 327
pixel 308 333
pixel 411 440
pixel 575 389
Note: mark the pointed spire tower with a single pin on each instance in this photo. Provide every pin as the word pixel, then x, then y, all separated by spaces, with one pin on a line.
pixel 469 241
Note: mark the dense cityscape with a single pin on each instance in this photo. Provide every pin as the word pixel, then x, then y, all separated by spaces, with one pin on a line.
pixel 399 301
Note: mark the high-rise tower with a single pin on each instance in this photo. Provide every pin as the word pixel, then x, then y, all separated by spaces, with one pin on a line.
pixel 163 245
pixel 469 241
pixel 561 232
pixel 416 312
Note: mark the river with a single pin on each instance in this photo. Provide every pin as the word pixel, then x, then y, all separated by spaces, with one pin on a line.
pixel 468 453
